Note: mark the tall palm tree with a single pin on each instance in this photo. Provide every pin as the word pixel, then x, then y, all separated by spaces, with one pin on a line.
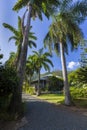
pixel 18 37
pixel 14 58
pixel 41 59
pixel 65 30
pixel 34 8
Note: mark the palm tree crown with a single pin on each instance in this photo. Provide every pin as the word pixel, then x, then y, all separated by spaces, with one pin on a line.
pixel 65 24
pixel 39 7
pixel 41 59
pixel 18 37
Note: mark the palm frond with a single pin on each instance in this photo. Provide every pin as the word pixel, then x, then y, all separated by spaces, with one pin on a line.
pixel 65 4
pixel 20 4
pixel 57 48
pixel 47 54
pixel 46 60
pixel 31 36
pixel 79 10
pixel 19 24
pixel 46 66
pixel 32 43
pixel 35 52
pixel 12 38
pixel 9 27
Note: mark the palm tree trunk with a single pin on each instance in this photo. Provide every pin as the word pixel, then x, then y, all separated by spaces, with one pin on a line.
pixel 38 87
pixel 18 55
pixel 22 60
pixel 65 78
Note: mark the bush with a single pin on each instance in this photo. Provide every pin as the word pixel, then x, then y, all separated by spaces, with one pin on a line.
pixel 55 84
pixel 78 77
pixel 28 89
pixel 8 85
pixel 8 80
pixel 78 92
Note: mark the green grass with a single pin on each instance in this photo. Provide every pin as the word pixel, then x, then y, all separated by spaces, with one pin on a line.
pixel 52 98
pixel 59 99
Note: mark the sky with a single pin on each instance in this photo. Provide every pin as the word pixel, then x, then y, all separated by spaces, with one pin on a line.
pixel 40 28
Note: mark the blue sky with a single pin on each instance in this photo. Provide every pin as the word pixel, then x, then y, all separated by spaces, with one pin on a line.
pixel 39 27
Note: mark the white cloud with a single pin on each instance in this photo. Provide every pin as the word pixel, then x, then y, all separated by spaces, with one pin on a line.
pixel 72 65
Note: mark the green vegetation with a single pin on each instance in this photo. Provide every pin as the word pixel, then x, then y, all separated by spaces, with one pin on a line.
pixel 64 30
pixel 59 99
pixel 78 92
pixel 53 98
pixel 41 59
pixel 55 84
pixel 78 77
pixel 8 90
pixel 81 102
pixel 28 89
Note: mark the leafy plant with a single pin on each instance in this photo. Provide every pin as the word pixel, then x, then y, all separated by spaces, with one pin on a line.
pixel 28 89
pixel 8 85
pixel 55 84
pixel 78 92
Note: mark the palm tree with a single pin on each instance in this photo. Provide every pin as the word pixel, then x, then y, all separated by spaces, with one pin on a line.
pixel 14 57
pixel 18 37
pixel 41 59
pixel 30 68
pixel 34 8
pixel 65 30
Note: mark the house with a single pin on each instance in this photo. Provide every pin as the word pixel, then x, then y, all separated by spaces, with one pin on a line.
pixel 44 80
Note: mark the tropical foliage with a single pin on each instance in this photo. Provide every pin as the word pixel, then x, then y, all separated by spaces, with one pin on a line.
pixel 33 8
pixel 78 92
pixel 11 61
pixel 18 37
pixel 38 7
pixel 55 84
pixel 65 30
pixel 38 60
pixel 78 77
pixel 8 86
pixel 30 68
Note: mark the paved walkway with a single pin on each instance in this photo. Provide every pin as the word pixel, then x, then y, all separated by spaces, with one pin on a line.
pixel 41 115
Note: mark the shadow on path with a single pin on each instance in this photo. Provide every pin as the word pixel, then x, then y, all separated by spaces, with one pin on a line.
pixel 46 116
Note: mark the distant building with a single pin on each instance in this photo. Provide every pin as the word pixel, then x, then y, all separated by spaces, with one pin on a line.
pixel 44 80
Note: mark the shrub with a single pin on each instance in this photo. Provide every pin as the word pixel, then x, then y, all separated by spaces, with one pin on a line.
pixel 28 89
pixel 78 92
pixel 78 77
pixel 55 84
pixel 8 85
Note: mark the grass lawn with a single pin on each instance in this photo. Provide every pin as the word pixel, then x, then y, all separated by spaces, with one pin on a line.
pixel 53 98
pixel 59 99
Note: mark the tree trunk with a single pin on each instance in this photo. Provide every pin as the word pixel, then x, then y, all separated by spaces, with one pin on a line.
pixel 38 87
pixel 22 60
pixel 65 78
pixel 19 49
